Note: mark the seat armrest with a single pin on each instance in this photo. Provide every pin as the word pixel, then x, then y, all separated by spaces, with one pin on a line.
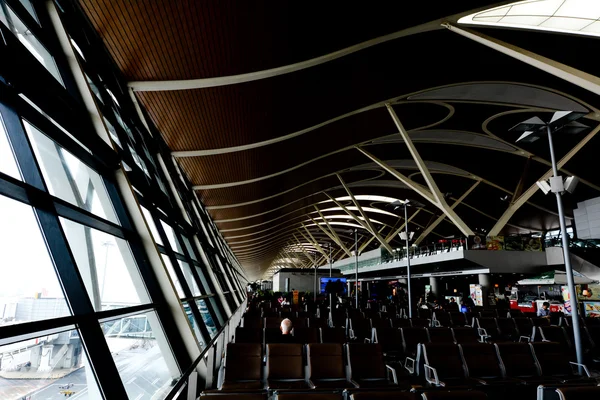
pixel 356 385
pixel 367 340
pixel 435 323
pixel 310 384
pixel 579 368
pixel 428 372
pixel 351 333
pixel 524 339
pixel 483 334
pixel 410 367
pixel 394 374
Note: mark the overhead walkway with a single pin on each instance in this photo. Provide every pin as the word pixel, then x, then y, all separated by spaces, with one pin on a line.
pixel 457 261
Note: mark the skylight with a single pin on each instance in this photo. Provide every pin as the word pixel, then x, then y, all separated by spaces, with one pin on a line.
pixel 580 17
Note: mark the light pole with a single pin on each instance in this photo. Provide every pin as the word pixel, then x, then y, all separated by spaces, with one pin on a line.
pixel 407 258
pixel 533 129
pixel 330 284
pixel 407 236
pixel 356 266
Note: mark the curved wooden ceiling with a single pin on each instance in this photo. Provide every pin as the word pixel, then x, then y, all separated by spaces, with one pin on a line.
pixel 456 98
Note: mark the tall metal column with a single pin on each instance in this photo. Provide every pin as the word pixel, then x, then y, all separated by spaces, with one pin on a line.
pixel 330 285
pixel 315 295
pixel 566 255
pixel 356 266
pixel 407 259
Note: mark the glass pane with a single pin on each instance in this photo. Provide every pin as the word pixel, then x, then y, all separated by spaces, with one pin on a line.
pixel 189 278
pixel 107 267
pixel 8 165
pixel 70 179
pixel 194 324
pixel 207 318
pixel 112 132
pixel 189 248
pixel 152 226
pixel 29 287
pixel 142 355
pixel 213 302
pixel 29 7
pixel 53 366
pixel 175 245
pixel 173 276
pixel 31 43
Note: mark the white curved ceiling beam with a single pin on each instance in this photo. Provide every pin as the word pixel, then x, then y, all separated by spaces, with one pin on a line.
pixel 435 223
pixel 423 96
pixel 187 84
pixel 572 75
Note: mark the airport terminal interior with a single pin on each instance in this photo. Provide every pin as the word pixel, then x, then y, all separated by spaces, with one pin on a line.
pixel 281 200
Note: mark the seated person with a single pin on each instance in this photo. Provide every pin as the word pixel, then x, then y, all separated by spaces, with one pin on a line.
pixel 544 311
pixel 286 331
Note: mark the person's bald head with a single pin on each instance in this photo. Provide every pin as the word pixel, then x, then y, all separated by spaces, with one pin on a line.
pixel 286 326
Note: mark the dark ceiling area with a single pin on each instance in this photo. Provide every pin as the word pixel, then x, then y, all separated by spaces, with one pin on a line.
pixel 265 155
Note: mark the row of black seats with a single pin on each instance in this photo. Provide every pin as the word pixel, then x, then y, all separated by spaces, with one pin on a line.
pixel 312 366
pixel 563 393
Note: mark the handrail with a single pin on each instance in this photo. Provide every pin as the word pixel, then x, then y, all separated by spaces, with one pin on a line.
pixel 209 346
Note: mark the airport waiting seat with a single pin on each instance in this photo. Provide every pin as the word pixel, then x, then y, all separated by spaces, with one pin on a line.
pixel 440 335
pixel 519 362
pixel 490 326
pixel 484 365
pixel 556 361
pixel 578 393
pixel 488 314
pixel 381 323
pixel 411 338
pixel 444 366
pixel 309 396
pixel 421 322
pixel 466 335
pixel 252 321
pixel 338 318
pixel 540 322
pixel 285 367
pixel 322 322
pixel 243 367
pixel 524 327
pixel 401 323
pixel 273 322
pixel 390 340
pixel 458 318
pixel 333 335
pixel 367 366
pixel 248 335
pixel 234 396
pixel 307 335
pixel 287 314
pixel 515 314
pixel 383 395
pixel 299 322
pixel 555 334
pixel 326 367
pixel 454 395
pixel 442 318
pixel 360 329
pixel 508 329
pixel 274 335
